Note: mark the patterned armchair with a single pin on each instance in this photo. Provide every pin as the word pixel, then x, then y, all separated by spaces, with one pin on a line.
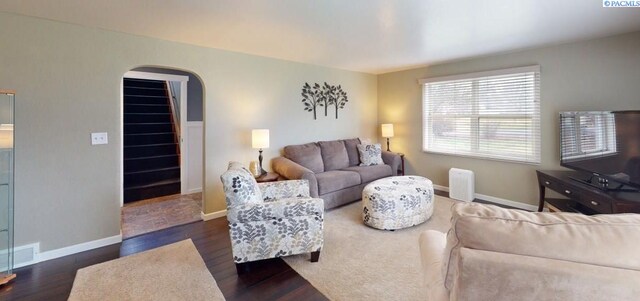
pixel 270 220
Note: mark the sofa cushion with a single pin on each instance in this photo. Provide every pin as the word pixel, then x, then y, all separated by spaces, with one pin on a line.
pixel 605 240
pixel 352 151
pixel 334 180
pixel 334 154
pixel 370 154
pixel 307 155
pixel 371 173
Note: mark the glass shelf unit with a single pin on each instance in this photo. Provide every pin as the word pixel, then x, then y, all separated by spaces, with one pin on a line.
pixel 7 100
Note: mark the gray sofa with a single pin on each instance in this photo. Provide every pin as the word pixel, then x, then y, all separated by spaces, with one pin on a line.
pixel 332 169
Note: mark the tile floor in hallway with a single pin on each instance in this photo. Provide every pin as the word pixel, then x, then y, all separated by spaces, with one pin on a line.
pixel 159 213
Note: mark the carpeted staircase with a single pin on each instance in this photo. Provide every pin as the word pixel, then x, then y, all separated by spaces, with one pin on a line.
pixel 151 149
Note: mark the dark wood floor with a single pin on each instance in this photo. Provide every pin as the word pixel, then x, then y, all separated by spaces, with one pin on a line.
pixel 267 280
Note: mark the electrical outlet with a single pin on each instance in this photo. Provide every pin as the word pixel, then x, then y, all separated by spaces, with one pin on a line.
pixel 99 138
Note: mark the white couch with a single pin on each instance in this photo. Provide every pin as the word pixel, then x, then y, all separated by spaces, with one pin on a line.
pixel 492 253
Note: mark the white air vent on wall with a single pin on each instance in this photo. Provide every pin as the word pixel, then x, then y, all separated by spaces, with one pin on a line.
pixel 22 255
pixel 461 184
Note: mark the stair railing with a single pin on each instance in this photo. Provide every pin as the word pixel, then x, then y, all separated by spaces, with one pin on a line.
pixel 175 108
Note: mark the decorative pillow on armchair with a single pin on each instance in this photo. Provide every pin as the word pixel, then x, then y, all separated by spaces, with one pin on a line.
pixel 370 154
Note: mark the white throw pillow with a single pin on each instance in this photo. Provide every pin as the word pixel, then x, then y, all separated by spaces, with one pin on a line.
pixel 370 154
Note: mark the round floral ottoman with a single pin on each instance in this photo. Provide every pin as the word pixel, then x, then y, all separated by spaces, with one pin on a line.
pixel 397 202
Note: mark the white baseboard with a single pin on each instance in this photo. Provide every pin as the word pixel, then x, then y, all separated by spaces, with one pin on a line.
pixel 212 215
pixel 85 246
pixel 194 190
pixel 496 200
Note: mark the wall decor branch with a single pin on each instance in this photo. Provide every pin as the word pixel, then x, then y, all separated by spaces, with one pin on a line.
pixel 311 97
pixel 340 100
pixel 323 96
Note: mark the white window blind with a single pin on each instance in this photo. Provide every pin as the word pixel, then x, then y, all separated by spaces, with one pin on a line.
pixel 494 115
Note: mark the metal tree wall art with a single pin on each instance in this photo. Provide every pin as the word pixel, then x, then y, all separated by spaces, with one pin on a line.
pixel 323 96
pixel 311 97
pixel 341 99
pixel 328 96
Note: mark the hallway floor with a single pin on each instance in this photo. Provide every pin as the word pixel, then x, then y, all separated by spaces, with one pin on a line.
pixel 159 213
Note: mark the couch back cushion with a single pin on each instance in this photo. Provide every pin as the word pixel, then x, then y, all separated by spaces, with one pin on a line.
pixel 605 240
pixel 352 151
pixel 240 187
pixel 334 154
pixel 307 155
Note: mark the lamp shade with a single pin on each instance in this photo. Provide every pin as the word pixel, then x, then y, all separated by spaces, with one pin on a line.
pixel 387 130
pixel 260 138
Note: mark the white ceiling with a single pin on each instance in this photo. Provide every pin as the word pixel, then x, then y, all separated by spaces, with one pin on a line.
pixel 374 36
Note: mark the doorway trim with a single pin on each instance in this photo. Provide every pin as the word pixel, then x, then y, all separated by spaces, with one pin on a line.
pixel 183 123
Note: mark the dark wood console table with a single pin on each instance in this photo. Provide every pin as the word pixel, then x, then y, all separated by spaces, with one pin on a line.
pixel 582 197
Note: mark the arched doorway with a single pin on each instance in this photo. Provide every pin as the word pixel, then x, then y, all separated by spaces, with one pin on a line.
pixel 162 149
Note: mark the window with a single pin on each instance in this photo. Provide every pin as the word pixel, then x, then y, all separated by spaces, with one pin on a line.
pixel 587 134
pixel 494 115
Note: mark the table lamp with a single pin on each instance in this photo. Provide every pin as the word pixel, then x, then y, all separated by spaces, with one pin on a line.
pixel 260 140
pixel 387 132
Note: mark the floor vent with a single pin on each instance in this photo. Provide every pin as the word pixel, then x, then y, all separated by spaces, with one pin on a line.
pixel 461 184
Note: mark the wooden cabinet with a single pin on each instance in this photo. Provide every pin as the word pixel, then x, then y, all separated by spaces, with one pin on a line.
pixel 581 197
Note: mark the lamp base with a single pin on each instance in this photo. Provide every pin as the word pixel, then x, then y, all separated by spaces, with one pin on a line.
pixel 388 145
pixel 260 169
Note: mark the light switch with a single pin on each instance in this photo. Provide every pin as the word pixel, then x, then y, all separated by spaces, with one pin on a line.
pixel 99 138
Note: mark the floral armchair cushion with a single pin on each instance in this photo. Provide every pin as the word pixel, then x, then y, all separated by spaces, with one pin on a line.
pixel 284 189
pixel 276 210
pixel 240 187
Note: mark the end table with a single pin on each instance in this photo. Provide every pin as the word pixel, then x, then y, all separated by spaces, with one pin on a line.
pixel 268 177
pixel 401 167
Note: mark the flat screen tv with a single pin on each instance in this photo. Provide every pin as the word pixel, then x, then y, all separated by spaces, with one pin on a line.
pixel 605 144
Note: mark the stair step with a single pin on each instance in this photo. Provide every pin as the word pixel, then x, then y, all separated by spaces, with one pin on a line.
pixel 151 160
pixel 147 108
pixel 145 83
pixel 153 127
pixel 142 99
pixel 147 139
pixel 140 151
pixel 153 190
pixel 146 177
pixel 147 117
pixel 144 91
pixel 147 163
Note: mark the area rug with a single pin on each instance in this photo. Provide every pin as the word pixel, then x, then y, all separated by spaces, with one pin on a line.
pixel 171 272
pixel 361 263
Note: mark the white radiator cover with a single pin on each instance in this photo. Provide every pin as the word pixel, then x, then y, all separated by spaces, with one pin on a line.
pixel 461 184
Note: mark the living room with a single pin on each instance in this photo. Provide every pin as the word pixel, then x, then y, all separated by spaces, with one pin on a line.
pixel 66 63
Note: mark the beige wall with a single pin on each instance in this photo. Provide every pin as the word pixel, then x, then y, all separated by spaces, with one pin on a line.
pixel 602 74
pixel 68 82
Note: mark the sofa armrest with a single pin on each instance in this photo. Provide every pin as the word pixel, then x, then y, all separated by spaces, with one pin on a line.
pixel 278 209
pixel 294 171
pixel 392 159
pixel 432 246
pixel 284 189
